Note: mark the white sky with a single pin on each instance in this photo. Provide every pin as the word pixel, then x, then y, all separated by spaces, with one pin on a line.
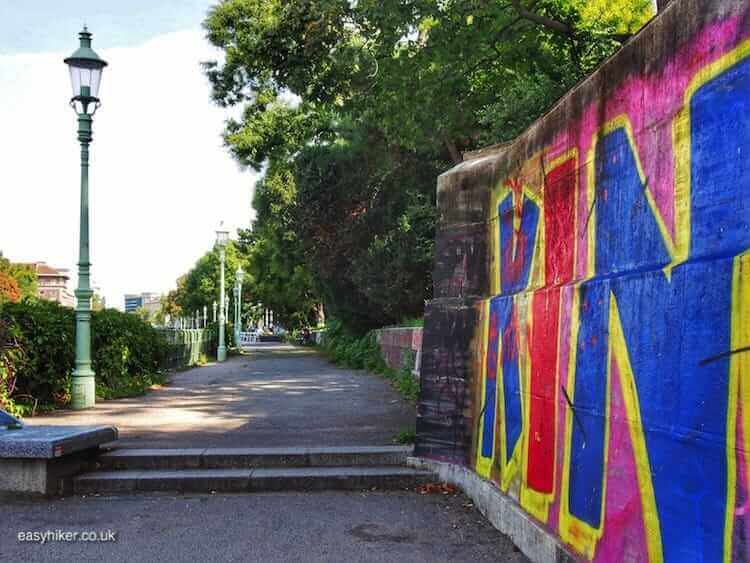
pixel 160 178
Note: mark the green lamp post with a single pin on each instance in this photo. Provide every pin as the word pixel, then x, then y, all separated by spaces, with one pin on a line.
pixel 239 275
pixel 222 237
pixel 85 76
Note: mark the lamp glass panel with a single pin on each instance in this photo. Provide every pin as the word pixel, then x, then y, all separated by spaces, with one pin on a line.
pixel 222 237
pixel 96 80
pixel 75 80
pixel 81 76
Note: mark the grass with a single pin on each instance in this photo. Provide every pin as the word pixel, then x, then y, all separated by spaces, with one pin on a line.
pixel 406 437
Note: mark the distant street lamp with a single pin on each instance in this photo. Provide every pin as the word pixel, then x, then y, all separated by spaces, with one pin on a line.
pixel 85 76
pixel 239 275
pixel 222 237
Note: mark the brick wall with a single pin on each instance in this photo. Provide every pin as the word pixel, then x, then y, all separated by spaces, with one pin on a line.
pixel 401 347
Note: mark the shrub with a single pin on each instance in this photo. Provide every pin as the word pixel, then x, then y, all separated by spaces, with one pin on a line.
pixel 10 354
pixel 128 354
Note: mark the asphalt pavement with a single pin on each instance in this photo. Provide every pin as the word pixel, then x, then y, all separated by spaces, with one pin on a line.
pixel 275 395
pixel 330 527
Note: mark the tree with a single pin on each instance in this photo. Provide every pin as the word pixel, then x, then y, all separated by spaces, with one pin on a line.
pixel 356 107
pixel 366 213
pixel 423 71
pixel 279 276
pixel 199 287
pixel 24 276
pixel 97 302
pixel 9 290
pixel 168 306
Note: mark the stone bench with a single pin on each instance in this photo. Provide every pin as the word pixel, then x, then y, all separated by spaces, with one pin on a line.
pixel 42 460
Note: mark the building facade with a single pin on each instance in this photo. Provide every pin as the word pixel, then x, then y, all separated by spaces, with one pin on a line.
pixel 146 300
pixel 52 284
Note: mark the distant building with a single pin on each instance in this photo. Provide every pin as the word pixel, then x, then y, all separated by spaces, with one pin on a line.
pixel 148 301
pixel 52 284
pixel 133 302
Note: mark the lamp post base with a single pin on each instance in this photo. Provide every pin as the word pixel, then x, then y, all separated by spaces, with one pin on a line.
pixel 221 353
pixel 83 392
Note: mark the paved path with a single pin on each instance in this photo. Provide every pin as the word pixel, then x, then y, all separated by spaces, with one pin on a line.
pixel 326 527
pixel 277 395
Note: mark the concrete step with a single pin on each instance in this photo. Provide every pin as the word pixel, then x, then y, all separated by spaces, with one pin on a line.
pixel 247 458
pixel 251 480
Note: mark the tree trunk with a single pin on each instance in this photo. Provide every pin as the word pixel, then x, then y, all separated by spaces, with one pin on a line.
pixel 452 149
pixel 661 4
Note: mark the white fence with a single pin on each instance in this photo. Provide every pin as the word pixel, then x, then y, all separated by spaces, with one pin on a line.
pixel 247 338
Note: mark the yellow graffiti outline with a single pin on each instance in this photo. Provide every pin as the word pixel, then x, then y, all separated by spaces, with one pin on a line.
pixel 509 469
pixel 567 529
pixel 677 247
pixel 629 392
pixel 484 464
pixel 499 195
pixel 739 363
pixel 577 533
pixel 739 370
pixel 534 502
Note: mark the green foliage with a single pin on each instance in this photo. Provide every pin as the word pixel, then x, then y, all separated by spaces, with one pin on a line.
pixel 127 353
pixel 406 437
pixel 200 286
pixel 412 322
pixel 11 355
pixel 349 350
pixel 363 352
pixel 366 213
pixel 356 107
pixel 23 275
pixel 275 256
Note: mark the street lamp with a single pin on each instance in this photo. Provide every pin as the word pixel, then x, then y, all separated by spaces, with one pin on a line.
pixel 238 276
pixel 85 76
pixel 222 237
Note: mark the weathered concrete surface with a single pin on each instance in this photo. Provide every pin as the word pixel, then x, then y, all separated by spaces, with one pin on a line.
pixel 43 477
pixel 281 479
pixel 279 395
pixel 346 527
pixel 501 511
pixel 47 442
pixel 40 460
pixel 229 458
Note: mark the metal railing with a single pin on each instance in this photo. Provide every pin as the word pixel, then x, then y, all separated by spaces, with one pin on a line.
pixel 187 346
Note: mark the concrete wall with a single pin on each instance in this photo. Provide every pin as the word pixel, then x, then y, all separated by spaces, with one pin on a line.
pixel 401 347
pixel 588 348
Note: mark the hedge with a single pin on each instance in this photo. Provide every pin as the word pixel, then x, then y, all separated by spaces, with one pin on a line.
pixel 37 354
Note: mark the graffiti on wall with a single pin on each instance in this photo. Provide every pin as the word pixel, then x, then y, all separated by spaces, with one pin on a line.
pixel 613 398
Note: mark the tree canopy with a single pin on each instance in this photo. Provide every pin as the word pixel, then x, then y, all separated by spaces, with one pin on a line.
pixel 18 281
pixel 354 108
